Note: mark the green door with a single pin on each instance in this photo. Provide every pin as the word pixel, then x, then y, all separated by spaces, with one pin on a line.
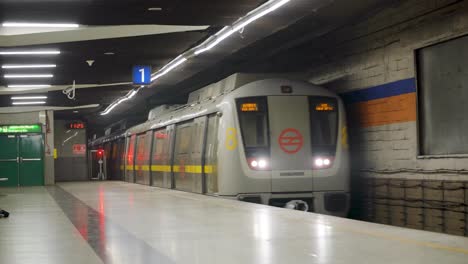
pixel 31 171
pixel 8 160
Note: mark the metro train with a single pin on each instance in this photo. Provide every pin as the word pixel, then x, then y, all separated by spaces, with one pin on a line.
pixel 248 137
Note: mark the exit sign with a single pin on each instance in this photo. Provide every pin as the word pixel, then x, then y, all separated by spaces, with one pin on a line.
pixel 36 128
pixel 141 75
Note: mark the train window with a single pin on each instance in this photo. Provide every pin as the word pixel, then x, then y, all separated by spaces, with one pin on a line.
pixel 324 125
pixel 131 150
pixel 160 143
pixel 254 124
pixel 140 151
pixel 183 138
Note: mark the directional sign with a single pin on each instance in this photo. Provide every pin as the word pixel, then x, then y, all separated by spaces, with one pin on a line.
pixel 290 140
pixel 141 75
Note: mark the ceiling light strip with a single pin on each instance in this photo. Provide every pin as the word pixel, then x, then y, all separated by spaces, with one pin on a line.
pixel 22 76
pixel 42 25
pixel 29 103
pixel 211 42
pixel 128 96
pixel 29 86
pixel 31 52
pixel 27 66
pixel 28 97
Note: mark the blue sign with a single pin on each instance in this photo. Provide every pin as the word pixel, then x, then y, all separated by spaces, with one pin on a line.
pixel 141 75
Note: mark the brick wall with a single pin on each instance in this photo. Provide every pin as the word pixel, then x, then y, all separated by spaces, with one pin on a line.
pixel 371 64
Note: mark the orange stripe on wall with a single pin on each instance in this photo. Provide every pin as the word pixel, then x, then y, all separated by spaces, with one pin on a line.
pixel 384 111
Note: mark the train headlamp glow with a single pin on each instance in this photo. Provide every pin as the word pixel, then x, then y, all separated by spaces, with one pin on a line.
pixel 322 162
pixel 258 163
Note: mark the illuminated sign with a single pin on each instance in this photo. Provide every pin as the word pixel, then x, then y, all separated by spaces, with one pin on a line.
pixel 79 149
pixel 249 107
pixel 324 107
pixel 21 129
pixel 76 125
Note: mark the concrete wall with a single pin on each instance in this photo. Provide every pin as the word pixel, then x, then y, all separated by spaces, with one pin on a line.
pixel 69 165
pixel 371 64
pixel 35 117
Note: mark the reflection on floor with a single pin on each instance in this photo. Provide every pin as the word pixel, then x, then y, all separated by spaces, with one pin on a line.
pixel 116 222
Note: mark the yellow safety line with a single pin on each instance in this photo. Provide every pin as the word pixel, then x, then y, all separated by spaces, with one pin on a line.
pixel 161 168
pixel 195 169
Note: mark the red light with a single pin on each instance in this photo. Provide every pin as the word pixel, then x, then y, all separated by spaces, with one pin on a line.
pixel 100 153
pixel 76 125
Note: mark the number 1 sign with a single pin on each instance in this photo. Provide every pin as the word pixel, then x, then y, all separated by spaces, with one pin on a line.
pixel 141 75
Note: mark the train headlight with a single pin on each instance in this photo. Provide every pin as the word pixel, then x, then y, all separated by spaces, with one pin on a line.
pixel 258 163
pixel 322 162
pixel 254 163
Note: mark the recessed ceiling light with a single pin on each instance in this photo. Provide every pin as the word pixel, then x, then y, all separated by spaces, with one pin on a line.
pixel 109 53
pixel 43 25
pixel 8 76
pixel 76 112
pixel 28 97
pixel 31 52
pixel 29 86
pixel 29 103
pixel 27 66
pixel 155 9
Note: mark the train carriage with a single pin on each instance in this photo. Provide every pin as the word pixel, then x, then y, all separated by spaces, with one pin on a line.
pixel 251 138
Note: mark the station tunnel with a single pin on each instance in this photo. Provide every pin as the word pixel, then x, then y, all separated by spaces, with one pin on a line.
pixel 160 122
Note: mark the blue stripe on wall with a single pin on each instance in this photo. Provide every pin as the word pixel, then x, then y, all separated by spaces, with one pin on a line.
pixel 381 91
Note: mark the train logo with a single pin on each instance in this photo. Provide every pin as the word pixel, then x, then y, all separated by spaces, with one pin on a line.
pixel 291 141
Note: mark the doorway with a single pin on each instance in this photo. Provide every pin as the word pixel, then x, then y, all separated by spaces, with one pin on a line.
pixel 22 160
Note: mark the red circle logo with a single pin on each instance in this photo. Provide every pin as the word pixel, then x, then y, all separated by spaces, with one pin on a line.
pixel 291 140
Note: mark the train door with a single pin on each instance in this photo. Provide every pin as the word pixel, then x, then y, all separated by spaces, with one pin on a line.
pixel 108 163
pixel 187 166
pixel 122 154
pixel 143 149
pixel 130 159
pixel 161 161
pixel 119 167
pixel 210 156
pixel 291 158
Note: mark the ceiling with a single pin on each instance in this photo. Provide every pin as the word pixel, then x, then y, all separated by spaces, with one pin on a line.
pixel 127 12
pixel 261 47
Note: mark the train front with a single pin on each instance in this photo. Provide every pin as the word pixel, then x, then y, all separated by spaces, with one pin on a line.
pixel 292 147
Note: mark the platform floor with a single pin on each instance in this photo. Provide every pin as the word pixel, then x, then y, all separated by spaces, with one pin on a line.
pixel 116 222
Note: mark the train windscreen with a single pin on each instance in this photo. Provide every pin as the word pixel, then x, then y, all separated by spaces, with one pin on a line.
pixel 253 119
pixel 324 125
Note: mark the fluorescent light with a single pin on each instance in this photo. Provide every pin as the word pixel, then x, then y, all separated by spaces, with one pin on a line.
pixel 31 52
pixel 228 31
pixel 29 103
pixel 28 97
pixel 155 9
pixel 211 42
pixel 29 86
pixel 130 95
pixel 169 67
pixel 43 25
pixel 17 76
pixel 28 66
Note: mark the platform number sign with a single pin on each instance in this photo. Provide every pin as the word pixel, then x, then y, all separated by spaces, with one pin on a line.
pixel 141 75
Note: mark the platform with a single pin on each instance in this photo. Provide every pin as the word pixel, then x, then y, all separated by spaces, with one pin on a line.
pixel 116 222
